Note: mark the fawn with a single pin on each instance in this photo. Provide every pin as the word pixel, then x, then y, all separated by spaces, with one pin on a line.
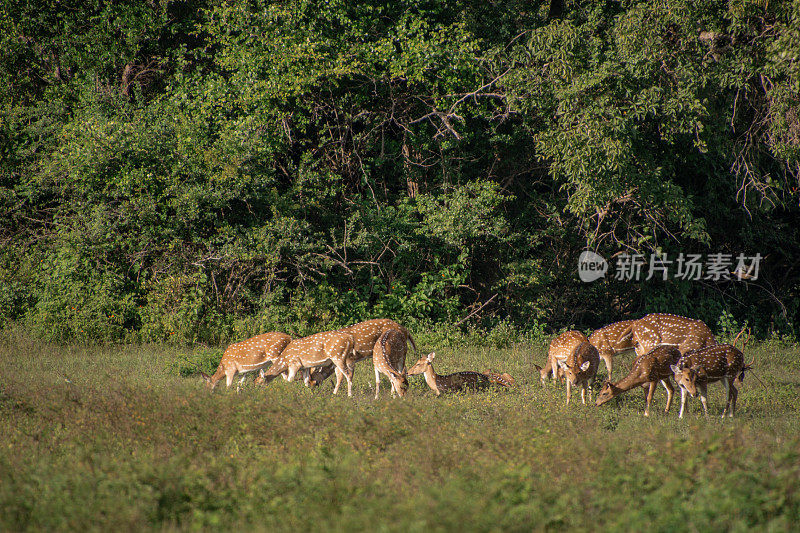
pixel 649 369
pixel 389 358
pixel 560 348
pixel 579 367
pixel 611 340
pixel 697 368
pixel 247 356
pixel 458 381
pixel 302 355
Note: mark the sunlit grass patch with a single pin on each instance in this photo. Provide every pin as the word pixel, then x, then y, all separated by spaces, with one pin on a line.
pixel 115 437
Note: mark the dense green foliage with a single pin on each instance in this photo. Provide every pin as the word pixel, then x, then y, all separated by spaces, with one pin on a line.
pixel 112 439
pixel 201 171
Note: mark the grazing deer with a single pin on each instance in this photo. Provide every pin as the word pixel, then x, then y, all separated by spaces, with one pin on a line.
pixel 458 381
pixel 389 358
pixel 365 334
pixel 560 348
pixel 697 368
pixel 657 329
pixel 313 351
pixel 611 340
pixel 247 356
pixel 650 368
pixel 579 367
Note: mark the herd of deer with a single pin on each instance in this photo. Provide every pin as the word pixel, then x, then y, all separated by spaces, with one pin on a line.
pixel 318 356
pixel 666 346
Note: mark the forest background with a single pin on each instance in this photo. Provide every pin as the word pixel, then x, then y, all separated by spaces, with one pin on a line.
pixel 199 172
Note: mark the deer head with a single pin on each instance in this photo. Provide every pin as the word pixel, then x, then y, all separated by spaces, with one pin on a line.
pixel 208 380
pixel 608 392
pixel 687 377
pixel 403 385
pixel 573 372
pixel 422 364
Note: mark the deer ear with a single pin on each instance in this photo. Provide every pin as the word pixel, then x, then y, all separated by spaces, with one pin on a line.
pixel 700 371
pixel 675 369
pixel 431 356
pixel 205 377
pixel 585 366
pixel 562 364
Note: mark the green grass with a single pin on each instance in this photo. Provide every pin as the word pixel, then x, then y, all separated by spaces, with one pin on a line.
pixel 131 443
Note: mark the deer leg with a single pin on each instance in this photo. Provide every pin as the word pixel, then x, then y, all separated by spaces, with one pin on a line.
pixel 241 381
pixel 293 370
pixel 670 393
pixel 683 402
pixel 349 371
pixel 650 390
pixel 734 395
pixel 274 371
pixel 230 372
pixel 569 391
pixel 378 382
pixel 339 375
pixel 702 391
pixel 609 364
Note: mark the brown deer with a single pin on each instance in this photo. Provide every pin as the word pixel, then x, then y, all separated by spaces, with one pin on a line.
pixel 579 367
pixel 247 356
pixel 389 358
pixel 697 368
pixel 611 340
pixel 649 369
pixel 365 334
pixel 315 350
pixel 657 329
pixel 458 381
pixel 560 348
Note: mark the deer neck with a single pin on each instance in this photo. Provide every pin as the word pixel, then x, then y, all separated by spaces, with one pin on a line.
pixel 630 381
pixel 430 378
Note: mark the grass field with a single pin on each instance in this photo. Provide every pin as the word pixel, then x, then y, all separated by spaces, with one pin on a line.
pixel 108 438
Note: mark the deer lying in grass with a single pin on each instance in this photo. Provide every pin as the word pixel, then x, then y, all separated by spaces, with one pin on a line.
pixel 389 358
pixel 697 368
pixel 611 340
pixel 313 351
pixel 657 329
pixel 458 381
pixel 649 369
pixel 247 356
pixel 579 367
pixel 560 348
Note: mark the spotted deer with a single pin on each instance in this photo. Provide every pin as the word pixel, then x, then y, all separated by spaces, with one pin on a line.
pixel 365 334
pixel 611 340
pixel 697 368
pixel 560 348
pixel 247 356
pixel 647 369
pixel 458 381
pixel 304 354
pixel 657 329
pixel 389 358
pixel 579 367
